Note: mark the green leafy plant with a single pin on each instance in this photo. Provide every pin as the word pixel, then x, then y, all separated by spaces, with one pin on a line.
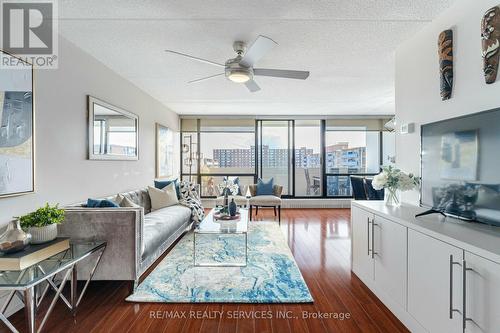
pixel 42 217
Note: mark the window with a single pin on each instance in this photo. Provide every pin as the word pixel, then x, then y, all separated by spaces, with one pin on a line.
pixel 308 173
pixel 349 151
pixel 309 158
pixel 275 152
pixel 226 148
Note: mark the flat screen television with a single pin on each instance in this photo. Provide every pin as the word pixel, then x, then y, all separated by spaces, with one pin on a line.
pixel 460 167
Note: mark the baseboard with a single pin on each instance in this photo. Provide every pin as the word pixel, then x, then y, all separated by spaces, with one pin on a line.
pixel 300 203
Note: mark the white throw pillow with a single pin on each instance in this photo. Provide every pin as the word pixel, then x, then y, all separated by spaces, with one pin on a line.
pixel 163 198
pixel 123 201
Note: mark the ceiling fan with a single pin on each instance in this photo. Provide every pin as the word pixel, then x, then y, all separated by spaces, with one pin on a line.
pixel 241 69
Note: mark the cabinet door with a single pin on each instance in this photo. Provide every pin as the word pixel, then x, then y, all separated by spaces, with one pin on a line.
pixel 483 294
pixel 362 262
pixel 430 283
pixel 390 258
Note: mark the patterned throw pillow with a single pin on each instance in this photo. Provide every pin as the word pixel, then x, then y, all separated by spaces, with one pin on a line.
pixel 191 199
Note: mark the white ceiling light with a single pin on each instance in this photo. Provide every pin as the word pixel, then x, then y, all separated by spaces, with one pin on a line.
pixel 239 75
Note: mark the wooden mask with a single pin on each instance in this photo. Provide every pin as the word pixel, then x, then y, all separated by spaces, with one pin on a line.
pixel 490 36
pixel 445 45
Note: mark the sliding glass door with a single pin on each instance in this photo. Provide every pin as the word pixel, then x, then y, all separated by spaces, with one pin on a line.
pixel 308 174
pixel 274 150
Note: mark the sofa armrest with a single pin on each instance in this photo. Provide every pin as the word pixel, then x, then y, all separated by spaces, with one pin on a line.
pixel 121 228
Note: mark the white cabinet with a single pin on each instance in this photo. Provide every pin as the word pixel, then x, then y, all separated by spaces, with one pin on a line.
pixel 434 283
pixel 423 268
pixel 362 262
pixel 390 258
pixel 482 294
pixel 379 253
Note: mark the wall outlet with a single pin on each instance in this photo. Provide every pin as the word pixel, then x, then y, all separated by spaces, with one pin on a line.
pixel 407 128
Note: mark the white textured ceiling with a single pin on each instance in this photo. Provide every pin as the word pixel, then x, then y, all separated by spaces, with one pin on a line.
pixel 347 45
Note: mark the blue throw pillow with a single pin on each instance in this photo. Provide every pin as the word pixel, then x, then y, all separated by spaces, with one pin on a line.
pixel 161 184
pixel 265 188
pixel 95 203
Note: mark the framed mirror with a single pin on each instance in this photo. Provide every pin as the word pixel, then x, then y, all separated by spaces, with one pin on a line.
pixel 113 132
pixel 17 153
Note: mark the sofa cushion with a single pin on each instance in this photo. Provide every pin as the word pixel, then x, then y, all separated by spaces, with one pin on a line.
pixel 160 224
pixel 126 202
pixel 265 200
pixel 139 197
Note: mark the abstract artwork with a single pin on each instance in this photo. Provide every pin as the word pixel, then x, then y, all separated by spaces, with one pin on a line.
pixel 490 40
pixel 164 151
pixel 445 45
pixel 16 130
pixel 459 155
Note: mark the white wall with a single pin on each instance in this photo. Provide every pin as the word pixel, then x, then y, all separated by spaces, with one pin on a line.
pixel 63 173
pixel 417 78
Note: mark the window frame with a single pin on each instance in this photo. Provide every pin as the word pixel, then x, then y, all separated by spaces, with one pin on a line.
pixel 258 153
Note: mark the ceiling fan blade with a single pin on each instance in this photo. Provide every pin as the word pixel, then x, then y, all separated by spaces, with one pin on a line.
pixel 205 78
pixel 284 73
pixel 252 86
pixel 257 50
pixel 196 58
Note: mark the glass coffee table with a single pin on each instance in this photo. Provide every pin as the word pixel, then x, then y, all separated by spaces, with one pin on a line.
pixel 217 243
pixel 31 284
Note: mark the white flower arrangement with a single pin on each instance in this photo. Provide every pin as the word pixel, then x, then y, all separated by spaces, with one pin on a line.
pixel 394 179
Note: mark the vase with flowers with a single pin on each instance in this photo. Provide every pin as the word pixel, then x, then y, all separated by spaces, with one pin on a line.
pixel 394 181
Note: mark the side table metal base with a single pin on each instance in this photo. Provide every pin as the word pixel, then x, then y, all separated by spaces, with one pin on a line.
pixel 32 301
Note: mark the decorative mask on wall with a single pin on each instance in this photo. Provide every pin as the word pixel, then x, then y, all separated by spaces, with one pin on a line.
pixel 445 44
pixel 490 38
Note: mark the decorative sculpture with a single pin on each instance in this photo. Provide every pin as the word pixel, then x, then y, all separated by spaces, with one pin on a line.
pixel 490 36
pixel 445 44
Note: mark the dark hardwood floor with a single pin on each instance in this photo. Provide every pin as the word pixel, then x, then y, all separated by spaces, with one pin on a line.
pixel 319 240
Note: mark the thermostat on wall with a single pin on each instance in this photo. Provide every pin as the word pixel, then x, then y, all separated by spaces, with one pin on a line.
pixel 407 128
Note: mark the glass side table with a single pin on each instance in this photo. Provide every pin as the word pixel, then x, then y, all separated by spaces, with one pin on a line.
pixel 32 283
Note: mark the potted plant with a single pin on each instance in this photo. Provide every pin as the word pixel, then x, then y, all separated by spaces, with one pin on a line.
pixel 42 223
pixel 394 180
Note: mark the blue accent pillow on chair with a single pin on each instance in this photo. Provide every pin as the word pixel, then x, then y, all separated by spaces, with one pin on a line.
pixel 265 188
pixel 94 203
pixel 161 184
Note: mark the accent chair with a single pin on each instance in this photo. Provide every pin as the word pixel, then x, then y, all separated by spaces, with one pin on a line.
pixel 273 200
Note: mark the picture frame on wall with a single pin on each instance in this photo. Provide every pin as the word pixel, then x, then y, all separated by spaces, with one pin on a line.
pixel 17 127
pixel 164 151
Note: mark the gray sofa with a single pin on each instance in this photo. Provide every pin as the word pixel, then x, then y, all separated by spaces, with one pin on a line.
pixel 136 237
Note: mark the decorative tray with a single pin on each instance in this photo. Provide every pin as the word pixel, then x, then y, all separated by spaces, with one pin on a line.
pixel 224 217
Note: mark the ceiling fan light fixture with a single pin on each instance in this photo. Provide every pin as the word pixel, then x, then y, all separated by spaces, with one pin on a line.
pixel 239 77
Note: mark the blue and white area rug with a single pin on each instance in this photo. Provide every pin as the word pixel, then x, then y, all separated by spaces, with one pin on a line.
pixel 271 274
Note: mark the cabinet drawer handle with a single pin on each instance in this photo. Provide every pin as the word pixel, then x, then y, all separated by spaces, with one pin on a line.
pixel 464 295
pixel 368 234
pixel 373 239
pixel 451 286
